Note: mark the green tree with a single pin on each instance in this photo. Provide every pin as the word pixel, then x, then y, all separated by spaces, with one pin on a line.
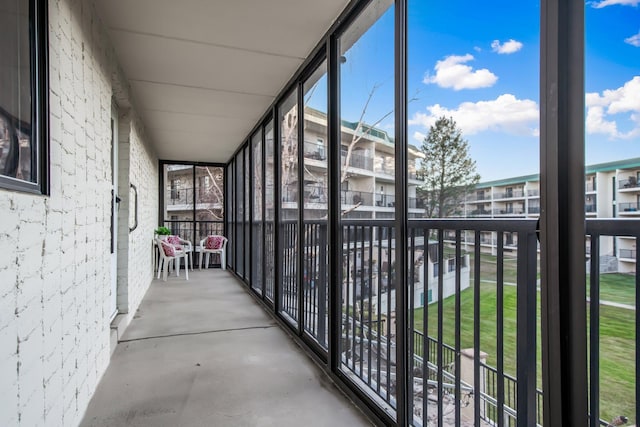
pixel 447 169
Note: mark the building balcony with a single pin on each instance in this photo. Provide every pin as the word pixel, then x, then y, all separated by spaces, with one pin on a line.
pixel 627 254
pixel 629 184
pixel 357 160
pixel 629 208
pixel 515 194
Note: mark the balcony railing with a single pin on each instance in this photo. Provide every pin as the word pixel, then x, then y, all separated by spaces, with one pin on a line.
pixel 628 253
pixel 447 316
pixel 509 194
pixel 534 209
pixel 631 182
pixel 533 193
pixel 629 207
pixel 507 211
pixel 357 160
pixel 351 197
pixel 590 208
pixel 315 151
pixel 590 186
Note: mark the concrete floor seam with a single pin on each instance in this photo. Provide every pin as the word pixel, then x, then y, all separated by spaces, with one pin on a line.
pixel 182 334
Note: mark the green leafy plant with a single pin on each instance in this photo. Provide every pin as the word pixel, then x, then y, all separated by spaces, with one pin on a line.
pixel 162 231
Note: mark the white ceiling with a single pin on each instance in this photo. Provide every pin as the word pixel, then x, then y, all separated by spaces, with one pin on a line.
pixel 203 72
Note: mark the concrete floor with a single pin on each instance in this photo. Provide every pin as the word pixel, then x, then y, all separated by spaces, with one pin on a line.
pixel 203 353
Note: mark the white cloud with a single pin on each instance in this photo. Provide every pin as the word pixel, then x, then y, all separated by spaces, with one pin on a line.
pixel 624 100
pixel 419 136
pixel 451 72
pixel 633 40
pixel 505 114
pixel 510 46
pixel 605 3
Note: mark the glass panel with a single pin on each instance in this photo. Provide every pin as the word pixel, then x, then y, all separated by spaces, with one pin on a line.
pixel 269 212
pixel 256 216
pixel 473 151
pixel 247 212
pixel 178 200
pixel 367 196
pixel 209 204
pixel 239 228
pixel 17 152
pixel 288 221
pixel 315 245
pixel 612 148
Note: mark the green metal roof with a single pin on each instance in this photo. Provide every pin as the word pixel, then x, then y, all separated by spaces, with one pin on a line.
pixel 589 169
pixel 611 166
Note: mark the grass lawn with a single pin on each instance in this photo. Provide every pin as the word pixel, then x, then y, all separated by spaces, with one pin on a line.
pixel 617 396
pixel 616 287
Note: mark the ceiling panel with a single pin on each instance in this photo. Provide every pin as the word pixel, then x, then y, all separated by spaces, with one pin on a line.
pixel 203 72
pixel 283 27
pixel 162 97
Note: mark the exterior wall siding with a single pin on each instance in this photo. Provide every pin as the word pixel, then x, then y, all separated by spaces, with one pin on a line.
pixel 55 278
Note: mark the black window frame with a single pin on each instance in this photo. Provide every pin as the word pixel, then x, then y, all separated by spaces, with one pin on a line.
pixel 39 56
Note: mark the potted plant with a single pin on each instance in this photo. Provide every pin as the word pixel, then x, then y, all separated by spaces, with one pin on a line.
pixel 163 232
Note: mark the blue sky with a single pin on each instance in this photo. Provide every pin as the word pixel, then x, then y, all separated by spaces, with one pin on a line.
pixel 479 62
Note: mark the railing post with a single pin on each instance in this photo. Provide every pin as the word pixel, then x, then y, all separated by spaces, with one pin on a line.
pixel 322 283
pixel 526 330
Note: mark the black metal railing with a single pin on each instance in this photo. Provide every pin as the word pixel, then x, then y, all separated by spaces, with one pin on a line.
pixel 628 253
pixel 315 280
pixel 463 390
pixel 288 264
pixel 600 322
pixel 590 208
pixel 534 209
pixel 449 377
pixel 631 182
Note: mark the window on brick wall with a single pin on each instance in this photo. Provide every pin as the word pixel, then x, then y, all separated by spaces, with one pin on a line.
pixel 24 96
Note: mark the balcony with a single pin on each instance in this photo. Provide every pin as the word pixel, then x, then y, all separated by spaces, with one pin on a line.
pixel 351 197
pixel 630 183
pixel 627 254
pixel 590 208
pixel 315 151
pixel 357 160
pixel 515 194
pixel 507 211
pixel 629 208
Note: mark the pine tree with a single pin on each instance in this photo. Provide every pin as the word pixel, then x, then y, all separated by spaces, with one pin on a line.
pixel 447 169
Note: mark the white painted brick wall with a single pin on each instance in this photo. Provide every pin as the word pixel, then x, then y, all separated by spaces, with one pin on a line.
pixel 55 276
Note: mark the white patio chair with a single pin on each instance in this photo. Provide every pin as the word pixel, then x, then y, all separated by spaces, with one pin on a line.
pixel 185 245
pixel 214 244
pixel 169 253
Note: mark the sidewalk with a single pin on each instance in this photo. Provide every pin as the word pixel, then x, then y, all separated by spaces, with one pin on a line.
pixel 203 353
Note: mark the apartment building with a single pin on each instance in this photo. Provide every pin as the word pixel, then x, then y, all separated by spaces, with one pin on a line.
pixel 612 190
